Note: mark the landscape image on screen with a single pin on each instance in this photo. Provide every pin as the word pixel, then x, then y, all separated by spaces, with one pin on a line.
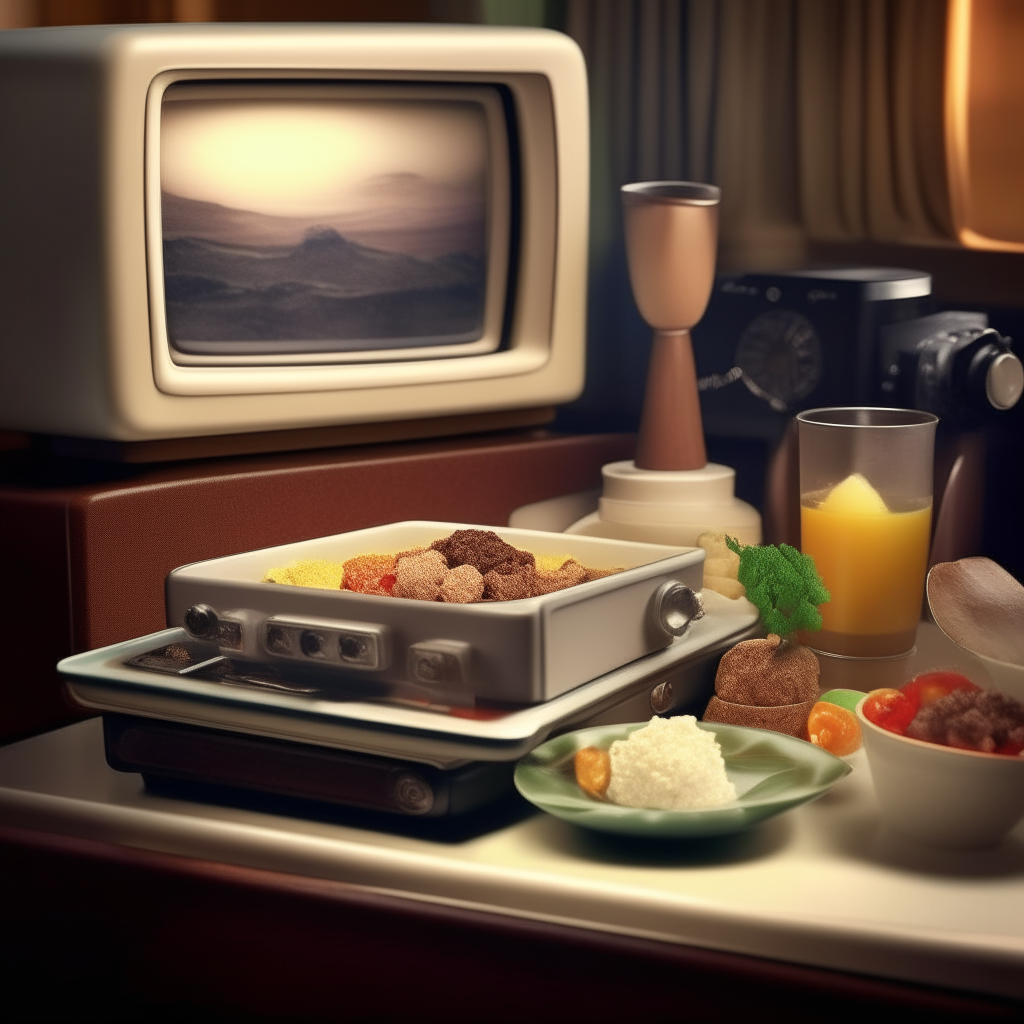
pixel 339 224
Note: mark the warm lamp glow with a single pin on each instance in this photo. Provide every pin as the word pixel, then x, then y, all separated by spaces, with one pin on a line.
pixel 985 122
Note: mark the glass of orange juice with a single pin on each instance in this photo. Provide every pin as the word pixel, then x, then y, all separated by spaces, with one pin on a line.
pixel 865 518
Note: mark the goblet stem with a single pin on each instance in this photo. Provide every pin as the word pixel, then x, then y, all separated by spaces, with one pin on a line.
pixel 671 430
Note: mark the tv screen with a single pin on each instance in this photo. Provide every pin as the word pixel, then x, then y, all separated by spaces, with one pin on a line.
pixel 308 218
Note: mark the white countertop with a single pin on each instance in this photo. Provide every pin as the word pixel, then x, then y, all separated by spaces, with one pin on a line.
pixel 822 885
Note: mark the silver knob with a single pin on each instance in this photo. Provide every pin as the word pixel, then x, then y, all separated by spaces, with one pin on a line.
pixel 201 621
pixel 676 606
pixel 661 698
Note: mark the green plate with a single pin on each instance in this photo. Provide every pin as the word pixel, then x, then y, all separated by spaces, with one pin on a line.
pixel 771 773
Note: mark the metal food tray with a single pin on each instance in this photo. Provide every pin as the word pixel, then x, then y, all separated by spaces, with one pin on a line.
pixel 522 651
pixel 104 680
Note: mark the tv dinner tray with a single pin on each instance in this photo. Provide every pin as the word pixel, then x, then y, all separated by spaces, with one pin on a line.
pixel 523 651
pixel 110 679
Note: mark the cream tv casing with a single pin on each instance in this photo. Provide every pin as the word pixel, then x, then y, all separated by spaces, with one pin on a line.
pixel 82 334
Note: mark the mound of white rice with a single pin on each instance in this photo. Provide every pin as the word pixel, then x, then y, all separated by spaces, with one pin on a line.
pixel 669 765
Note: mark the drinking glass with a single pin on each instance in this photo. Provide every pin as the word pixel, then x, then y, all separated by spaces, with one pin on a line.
pixel 865 518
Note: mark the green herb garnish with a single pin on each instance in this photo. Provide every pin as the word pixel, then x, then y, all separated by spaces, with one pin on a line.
pixel 783 584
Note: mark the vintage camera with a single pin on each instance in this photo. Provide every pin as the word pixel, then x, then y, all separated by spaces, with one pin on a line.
pixel 952 364
pixel 771 345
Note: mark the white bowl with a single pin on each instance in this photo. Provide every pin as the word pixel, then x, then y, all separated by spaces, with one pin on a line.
pixel 943 796
pixel 1006 677
pixel 936 650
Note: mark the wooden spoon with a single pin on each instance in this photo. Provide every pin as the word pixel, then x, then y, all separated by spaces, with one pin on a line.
pixel 980 606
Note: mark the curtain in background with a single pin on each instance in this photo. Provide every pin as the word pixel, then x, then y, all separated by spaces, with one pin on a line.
pixel 821 120
pixel 872 155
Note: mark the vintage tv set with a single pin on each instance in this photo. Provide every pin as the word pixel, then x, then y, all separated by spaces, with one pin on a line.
pixel 231 229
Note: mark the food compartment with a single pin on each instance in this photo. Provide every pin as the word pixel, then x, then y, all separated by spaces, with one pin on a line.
pixel 518 651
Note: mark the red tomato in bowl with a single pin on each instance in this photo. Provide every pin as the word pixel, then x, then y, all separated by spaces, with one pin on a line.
pixel 890 709
pixel 929 687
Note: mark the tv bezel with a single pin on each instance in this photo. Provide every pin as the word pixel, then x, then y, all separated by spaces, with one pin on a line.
pixel 522 353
